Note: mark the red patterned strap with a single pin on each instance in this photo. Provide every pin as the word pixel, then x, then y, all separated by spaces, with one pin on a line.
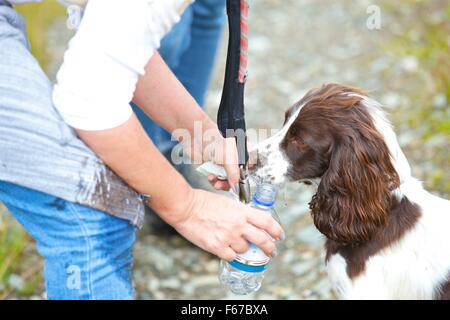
pixel 244 42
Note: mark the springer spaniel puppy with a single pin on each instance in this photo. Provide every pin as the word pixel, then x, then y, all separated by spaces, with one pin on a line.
pixel 387 237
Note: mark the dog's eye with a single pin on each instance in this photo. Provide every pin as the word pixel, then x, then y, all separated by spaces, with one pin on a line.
pixel 294 132
pixel 296 137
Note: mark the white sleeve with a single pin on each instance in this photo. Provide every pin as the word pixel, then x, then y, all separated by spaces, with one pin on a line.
pixel 110 50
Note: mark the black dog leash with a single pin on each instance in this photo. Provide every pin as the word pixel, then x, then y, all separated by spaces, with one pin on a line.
pixel 231 115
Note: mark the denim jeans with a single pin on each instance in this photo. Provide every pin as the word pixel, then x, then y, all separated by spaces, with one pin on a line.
pixel 87 253
pixel 189 50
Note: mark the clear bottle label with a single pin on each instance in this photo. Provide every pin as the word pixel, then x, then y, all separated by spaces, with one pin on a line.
pixel 264 200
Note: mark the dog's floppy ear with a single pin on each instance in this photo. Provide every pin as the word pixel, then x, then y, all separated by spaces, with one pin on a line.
pixel 353 197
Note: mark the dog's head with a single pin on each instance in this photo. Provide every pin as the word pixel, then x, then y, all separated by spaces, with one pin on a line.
pixel 339 138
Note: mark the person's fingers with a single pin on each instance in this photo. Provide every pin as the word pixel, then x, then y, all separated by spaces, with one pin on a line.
pixel 217 183
pixel 266 223
pixel 252 159
pixel 240 246
pixel 231 162
pixel 227 254
pixel 233 175
pixel 261 240
pixel 221 185
pixel 252 155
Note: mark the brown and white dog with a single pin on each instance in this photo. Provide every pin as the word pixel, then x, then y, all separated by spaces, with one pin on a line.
pixel 387 237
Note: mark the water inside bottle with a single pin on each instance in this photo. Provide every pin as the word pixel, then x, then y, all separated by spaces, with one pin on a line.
pixel 246 274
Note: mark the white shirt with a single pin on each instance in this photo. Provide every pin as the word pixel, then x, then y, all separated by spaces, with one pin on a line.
pixel 110 50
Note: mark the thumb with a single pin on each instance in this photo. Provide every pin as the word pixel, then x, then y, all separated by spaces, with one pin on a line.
pixel 231 163
pixel 226 254
pixel 233 176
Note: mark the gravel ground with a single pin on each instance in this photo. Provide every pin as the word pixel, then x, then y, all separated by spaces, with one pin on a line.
pixel 294 46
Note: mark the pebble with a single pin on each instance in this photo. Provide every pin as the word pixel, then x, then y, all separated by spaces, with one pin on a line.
pixel 16 282
pixel 153 284
pixel 310 235
pixel 171 283
pixel 207 280
pixel 212 266
pixel 300 268
pixel 161 260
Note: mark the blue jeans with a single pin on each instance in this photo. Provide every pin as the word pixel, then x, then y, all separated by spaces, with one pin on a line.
pixel 87 253
pixel 189 50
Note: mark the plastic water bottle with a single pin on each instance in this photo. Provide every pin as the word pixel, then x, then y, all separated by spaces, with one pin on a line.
pixel 245 274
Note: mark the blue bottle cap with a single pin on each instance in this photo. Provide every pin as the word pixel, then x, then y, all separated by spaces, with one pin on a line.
pixel 247 268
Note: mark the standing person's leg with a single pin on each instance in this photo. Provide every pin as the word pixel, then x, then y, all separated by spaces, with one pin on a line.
pixel 196 64
pixel 190 50
pixel 87 253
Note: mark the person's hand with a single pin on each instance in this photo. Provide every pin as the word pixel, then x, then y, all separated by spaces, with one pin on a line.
pixel 230 154
pixel 212 146
pixel 223 151
pixel 224 227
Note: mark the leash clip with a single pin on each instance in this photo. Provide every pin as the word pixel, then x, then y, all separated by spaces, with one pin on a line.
pixel 244 185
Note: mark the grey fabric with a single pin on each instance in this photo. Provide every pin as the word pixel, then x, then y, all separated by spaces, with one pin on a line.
pixel 38 149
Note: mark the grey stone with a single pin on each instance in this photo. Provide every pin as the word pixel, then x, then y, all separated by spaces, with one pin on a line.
pixel 310 235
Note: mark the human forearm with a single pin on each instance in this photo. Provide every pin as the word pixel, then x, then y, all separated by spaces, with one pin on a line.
pixel 164 99
pixel 130 153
